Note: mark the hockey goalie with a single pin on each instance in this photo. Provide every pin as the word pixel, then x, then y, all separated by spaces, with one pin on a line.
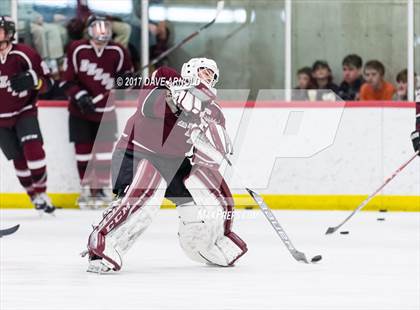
pixel 171 147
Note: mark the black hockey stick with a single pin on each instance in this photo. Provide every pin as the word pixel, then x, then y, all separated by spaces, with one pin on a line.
pixel 220 5
pixel 331 230
pixel 8 231
pixel 299 256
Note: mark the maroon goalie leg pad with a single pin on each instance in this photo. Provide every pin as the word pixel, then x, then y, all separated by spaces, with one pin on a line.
pixel 144 184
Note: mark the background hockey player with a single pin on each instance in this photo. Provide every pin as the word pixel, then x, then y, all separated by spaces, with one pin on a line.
pixel 91 67
pixel 415 136
pixel 169 123
pixel 22 76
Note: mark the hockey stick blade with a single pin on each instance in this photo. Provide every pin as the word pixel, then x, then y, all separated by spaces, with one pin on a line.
pixel 9 231
pixel 299 256
pixel 331 230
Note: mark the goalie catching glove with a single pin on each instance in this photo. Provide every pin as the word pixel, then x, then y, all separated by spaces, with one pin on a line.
pixel 25 81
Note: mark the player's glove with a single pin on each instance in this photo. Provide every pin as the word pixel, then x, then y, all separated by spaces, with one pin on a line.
pixel 25 81
pixel 415 138
pixel 85 104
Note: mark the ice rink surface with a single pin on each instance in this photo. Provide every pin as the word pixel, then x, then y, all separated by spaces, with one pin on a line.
pixel 375 267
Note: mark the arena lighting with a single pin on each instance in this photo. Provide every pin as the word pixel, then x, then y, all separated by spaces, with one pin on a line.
pixel 56 3
pixel 116 7
pixel 196 15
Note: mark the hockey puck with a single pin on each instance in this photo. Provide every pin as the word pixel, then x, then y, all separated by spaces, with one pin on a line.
pixel 249 208
pixel 345 232
pixel 316 258
pixel 383 210
pixel 380 219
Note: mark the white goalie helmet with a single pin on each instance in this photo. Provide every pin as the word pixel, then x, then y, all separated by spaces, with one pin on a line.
pixel 190 71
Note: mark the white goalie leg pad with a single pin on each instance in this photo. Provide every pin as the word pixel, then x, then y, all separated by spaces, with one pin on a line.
pixel 194 234
pixel 202 227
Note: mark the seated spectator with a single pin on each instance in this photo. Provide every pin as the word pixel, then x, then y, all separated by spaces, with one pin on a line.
pixel 321 72
pixel 47 38
pixel 326 90
pixel 376 88
pixel 401 93
pixel 352 77
pixel 305 82
pixel 160 36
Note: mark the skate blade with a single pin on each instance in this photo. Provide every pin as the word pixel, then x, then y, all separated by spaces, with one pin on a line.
pixel 98 267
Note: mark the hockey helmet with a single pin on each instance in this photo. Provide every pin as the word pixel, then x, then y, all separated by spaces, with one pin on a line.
pixel 203 69
pixel 9 27
pixel 99 28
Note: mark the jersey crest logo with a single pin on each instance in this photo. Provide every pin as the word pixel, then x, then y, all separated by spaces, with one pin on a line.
pixel 96 73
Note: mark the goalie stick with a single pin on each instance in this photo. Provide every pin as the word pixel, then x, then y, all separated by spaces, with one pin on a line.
pixel 299 256
pixel 331 230
pixel 8 231
pixel 219 8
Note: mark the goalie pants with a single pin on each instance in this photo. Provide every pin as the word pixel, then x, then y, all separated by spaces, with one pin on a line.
pixel 173 170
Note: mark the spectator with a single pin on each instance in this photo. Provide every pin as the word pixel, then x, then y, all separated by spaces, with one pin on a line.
pixel 401 93
pixel 376 88
pixel 47 38
pixel 305 82
pixel 402 85
pixel 352 77
pixel 321 72
pixel 160 36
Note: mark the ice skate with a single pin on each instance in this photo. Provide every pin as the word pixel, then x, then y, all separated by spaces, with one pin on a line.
pixel 101 198
pixel 85 200
pixel 43 203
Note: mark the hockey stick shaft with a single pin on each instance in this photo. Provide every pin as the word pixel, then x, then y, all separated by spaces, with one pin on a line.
pixel 331 230
pixel 299 256
pixel 220 6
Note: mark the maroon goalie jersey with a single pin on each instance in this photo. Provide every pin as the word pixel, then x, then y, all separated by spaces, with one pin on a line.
pixel 13 104
pixel 91 71
pixel 155 129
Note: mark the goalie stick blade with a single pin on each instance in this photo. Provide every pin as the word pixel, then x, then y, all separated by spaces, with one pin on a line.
pixel 300 257
pixel 330 230
pixel 8 231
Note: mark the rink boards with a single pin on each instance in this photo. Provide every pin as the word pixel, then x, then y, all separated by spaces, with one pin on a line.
pixel 313 156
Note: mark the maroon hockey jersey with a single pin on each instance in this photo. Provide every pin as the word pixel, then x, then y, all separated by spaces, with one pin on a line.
pixel 90 71
pixel 155 129
pixel 418 112
pixel 13 104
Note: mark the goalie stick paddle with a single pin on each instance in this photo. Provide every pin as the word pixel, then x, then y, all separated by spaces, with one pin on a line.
pixel 299 256
pixel 8 231
pixel 219 8
pixel 331 230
